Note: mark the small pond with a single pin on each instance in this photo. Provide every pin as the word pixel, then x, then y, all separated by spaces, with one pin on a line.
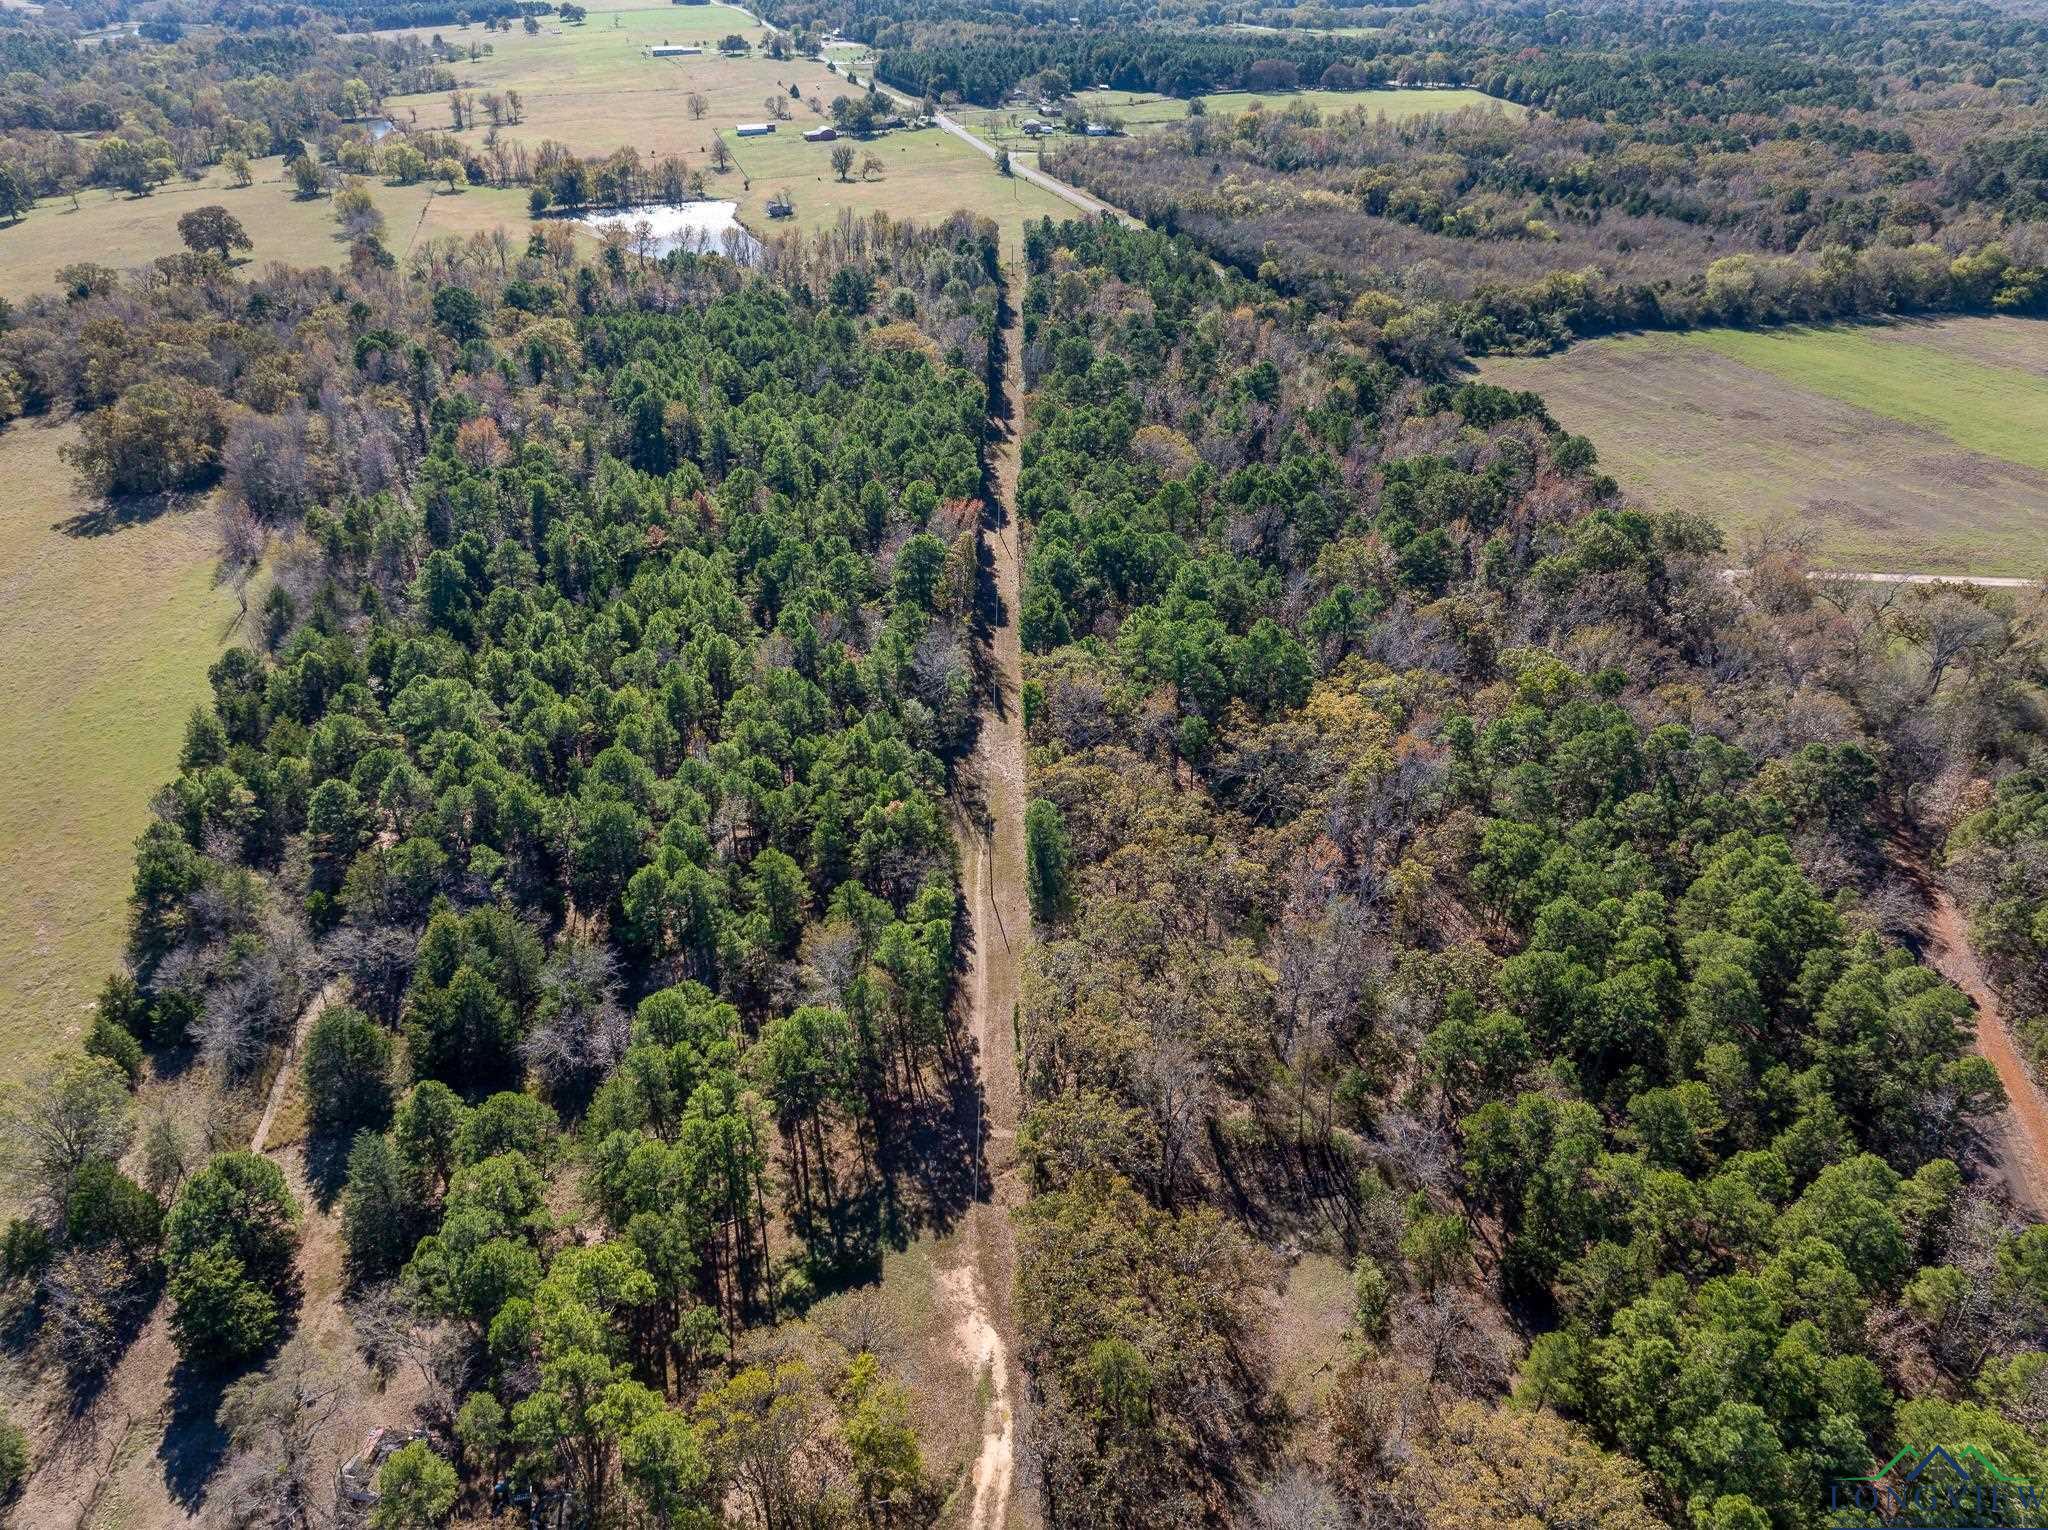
pixel 706 227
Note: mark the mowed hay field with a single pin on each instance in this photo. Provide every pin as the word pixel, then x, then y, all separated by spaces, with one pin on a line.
pixel 595 88
pixel 108 633
pixel 1918 447
pixel 119 230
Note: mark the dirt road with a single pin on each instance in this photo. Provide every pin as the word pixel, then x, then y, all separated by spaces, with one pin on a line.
pixel 2018 1138
pixel 992 856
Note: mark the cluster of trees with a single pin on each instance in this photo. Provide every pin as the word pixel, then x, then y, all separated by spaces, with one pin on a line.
pixel 1750 63
pixel 1528 233
pixel 96 1246
pixel 1403 895
pixel 598 782
pixel 187 104
pixel 1748 165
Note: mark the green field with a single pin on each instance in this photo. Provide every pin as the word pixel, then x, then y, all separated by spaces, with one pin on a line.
pixel 116 229
pixel 108 635
pixel 1990 409
pixel 1903 448
pixel 607 51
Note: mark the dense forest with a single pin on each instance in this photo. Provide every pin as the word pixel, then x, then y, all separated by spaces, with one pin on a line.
pixel 1709 64
pixel 1409 892
pixel 593 760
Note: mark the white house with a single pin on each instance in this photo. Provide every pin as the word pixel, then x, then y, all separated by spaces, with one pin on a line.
pixel 674 50
pixel 753 129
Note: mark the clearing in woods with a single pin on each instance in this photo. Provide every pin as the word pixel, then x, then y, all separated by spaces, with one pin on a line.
pixel 1898 447
pixel 118 230
pixel 108 628
pixel 991 837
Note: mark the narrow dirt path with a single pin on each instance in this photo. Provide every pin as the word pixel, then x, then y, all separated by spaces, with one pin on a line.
pixel 2018 1136
pixel 282 1082
pixel 992 855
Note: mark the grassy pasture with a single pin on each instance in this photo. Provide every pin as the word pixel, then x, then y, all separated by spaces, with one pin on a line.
pixel 595 88
pixel 108 634
pixel 118 230
pixel 1998 342
pixel 1909 447
pixel 929 173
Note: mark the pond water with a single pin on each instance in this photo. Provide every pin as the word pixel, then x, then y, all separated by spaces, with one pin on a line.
pixel 707 227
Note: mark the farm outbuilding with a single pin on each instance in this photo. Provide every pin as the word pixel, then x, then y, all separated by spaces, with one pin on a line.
pixel 821 134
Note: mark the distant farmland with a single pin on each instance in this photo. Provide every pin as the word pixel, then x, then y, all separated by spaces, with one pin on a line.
pixel 1900 447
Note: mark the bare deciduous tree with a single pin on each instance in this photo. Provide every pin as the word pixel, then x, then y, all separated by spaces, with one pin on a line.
pixel 93 1301
pixel 1298 1499
pixel 583 1028
pixel 277 1420
pixel 392 1333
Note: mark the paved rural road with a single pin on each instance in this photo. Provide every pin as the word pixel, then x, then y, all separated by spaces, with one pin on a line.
pixel 1038 178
